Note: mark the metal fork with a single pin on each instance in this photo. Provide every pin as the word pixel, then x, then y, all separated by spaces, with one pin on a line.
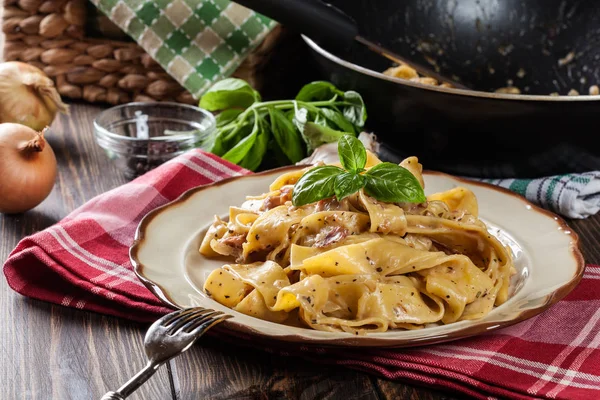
pixel 168 337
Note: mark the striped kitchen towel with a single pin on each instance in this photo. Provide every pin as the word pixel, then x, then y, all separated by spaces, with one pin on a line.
pixel 570 195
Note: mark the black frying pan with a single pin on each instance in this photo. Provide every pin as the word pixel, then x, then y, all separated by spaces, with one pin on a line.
pixel 484 44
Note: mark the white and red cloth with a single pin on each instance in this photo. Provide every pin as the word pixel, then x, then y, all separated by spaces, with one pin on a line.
pixel 83 262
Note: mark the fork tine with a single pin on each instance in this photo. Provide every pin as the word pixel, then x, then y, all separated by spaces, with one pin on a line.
pixel 169 319
pixel 200 320
pixel 201 327
pixel 176 324
pixel 165 320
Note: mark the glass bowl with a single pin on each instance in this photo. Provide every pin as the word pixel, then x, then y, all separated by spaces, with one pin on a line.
pixel 140 136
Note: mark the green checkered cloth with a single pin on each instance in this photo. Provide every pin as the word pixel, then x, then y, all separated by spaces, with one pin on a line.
pixel 197 42
pixel 570 195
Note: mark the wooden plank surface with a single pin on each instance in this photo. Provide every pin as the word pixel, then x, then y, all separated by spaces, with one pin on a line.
pixel 53 352
pixel 219 371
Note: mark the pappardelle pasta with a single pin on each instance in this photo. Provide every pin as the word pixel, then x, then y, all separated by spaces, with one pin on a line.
pixel 358 265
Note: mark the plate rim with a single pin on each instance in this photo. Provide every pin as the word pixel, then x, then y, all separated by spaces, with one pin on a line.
pixel 365 341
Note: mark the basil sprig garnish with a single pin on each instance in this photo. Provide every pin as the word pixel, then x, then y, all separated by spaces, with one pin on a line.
pixel 353 155
pixel 386 182
pixel 391 183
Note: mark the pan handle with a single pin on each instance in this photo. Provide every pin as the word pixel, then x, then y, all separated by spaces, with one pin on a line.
pixel 318 20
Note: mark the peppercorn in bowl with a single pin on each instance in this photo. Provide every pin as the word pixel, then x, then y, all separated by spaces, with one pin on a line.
pixel 140 136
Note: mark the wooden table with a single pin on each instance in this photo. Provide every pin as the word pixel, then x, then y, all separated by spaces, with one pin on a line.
pixel 54 352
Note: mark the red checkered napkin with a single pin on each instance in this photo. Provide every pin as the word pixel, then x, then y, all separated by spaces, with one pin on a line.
pixel 83 262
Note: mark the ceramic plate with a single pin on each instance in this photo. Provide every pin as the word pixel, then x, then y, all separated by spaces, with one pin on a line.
pixel 546 254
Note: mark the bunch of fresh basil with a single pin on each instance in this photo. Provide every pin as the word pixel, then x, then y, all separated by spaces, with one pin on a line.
pixel 248 128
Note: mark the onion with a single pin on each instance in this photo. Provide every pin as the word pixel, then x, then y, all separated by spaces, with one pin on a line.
pixel 28 96
pixel 27 168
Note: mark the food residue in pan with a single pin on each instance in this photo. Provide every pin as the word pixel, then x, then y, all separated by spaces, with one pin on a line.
pixel 566 59
pixel 404 71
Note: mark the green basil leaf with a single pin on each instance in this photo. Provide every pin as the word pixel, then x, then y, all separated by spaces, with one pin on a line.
pixel 316 184
pixel 321 120
pixel 233 134
pixel 353 154
pixel 318 90
pixel 347 184
pixel 225 117
pixel 286 135
pixel 255 156
pixel 219 144
pixel 240 150
pixel 229 93
pixel 339 121
pixel 300 117
pixel 289 114
pixel 392 183
pixel 356 112
pixel 316 135
pixel 276 157
pixel 211 143
pixel 237 153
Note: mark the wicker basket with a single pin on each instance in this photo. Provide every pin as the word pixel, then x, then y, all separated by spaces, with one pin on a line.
pixel 50 34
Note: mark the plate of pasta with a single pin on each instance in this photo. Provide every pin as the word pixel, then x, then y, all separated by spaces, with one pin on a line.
pixel 352 269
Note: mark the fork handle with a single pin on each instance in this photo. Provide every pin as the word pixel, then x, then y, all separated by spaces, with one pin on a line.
pixel 134 383
pixel 112 396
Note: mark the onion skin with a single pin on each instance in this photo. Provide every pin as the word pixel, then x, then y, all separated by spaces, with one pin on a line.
pixel 27 168
pixel 28 96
